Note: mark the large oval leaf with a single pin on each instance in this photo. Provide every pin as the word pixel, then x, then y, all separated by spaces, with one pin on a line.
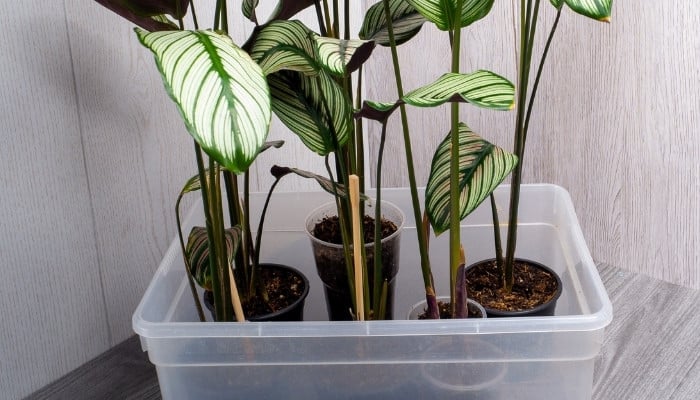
pixel 197 253
pixel 444 13
pixel 596 9
pixel 303 104
pixel 405 20
pixel 220 91
pixel 482 167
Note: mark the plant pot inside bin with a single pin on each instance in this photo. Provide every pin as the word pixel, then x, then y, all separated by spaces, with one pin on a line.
pixel 330 259
pixel 294 311
pixel 418 310
pixel 531 279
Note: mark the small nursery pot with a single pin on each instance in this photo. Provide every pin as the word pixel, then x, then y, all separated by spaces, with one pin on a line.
pixel 420 307
pixel 544 309
pixel 330 260
pixel 293 312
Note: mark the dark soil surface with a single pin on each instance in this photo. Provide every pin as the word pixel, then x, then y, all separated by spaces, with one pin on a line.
pixel 282 288
pixel 531 288
pixel 445 311
pixel 328 229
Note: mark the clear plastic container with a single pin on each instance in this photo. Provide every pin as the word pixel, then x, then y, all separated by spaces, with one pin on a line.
pixel 515 358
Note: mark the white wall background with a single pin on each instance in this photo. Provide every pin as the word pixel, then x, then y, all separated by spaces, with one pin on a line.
pixel 92 156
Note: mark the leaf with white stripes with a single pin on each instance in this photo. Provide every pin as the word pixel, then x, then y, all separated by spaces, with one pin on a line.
pixel 340 56
pixel 444 13
pixel 600 10
pixel 285 45
pixel 197 253
pixel 405 20
pixel 219 90
pixel 248 8
pixel 315 108
pixel 481 88
pixel 482 167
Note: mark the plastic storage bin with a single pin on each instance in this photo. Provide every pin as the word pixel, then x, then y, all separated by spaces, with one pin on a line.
pixel 507 358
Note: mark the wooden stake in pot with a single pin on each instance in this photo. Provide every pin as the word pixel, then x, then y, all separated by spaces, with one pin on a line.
pixel 356 244
pixel 236 298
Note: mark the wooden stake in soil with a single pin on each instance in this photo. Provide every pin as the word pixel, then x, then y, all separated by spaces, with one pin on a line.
pixel 356 245
pixel 235 298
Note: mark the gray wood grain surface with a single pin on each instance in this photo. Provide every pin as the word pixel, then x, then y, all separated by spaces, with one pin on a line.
pixel 650 352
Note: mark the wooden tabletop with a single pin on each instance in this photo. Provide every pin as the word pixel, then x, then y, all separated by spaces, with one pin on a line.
pixel 651 350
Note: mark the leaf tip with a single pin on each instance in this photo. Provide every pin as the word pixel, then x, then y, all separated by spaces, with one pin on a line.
pixel 606 19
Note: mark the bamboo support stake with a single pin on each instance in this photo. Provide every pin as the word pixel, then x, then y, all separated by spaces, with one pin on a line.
pixel 235 298
pixel 357 245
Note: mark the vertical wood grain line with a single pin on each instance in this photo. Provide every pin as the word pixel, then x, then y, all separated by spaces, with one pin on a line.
pixel 93 221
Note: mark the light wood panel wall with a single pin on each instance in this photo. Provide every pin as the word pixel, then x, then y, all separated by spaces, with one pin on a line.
pixel 616 124
pixel 93 155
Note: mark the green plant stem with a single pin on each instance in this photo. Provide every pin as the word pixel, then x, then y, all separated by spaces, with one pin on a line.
pixel 378 267
pixel 527 34
pixel 343 232
pixel 261 223
pixel 327 15
pixel 360 142
pixel 496 233
pixel 188 267
pixel 194 15
pixel 236 218
pixel 540 67
pixel 319 15
pixel 247 245
pixel 336 20
pixel 455 241
pixel 217 15
pixel 432 312
pixel 216 284
pixel 221 254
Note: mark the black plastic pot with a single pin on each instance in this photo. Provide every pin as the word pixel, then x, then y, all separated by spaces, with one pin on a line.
pixel 545 309
pixel 330 262
pixel 293 312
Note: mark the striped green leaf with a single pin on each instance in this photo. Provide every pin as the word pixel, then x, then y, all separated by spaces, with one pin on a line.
pixel 219 90
pixel 556 3
pixel 285 45
pixel 482 167
pixel 444 13
pixel 600 10
pixel 340 56
pixel 248 8
pixel 197 253
pixel 481 88
pixel 406 22
pixel 298 101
